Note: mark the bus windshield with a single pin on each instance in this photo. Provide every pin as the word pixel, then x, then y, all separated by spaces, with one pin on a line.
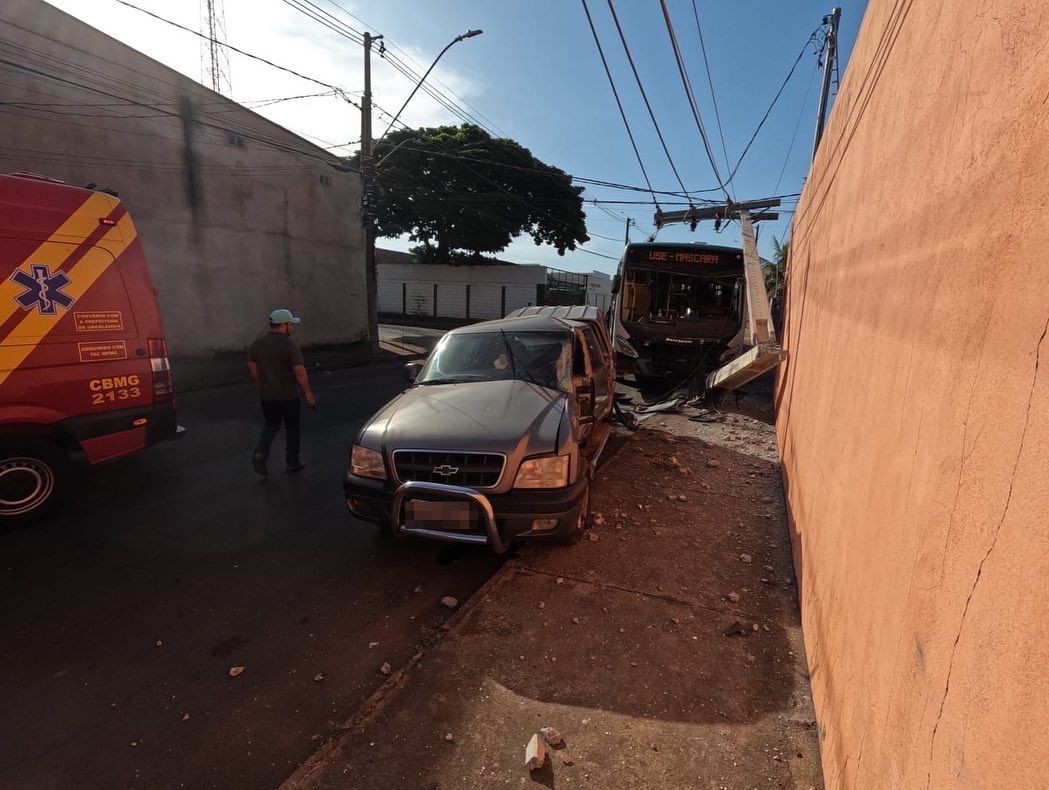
pixel 671 298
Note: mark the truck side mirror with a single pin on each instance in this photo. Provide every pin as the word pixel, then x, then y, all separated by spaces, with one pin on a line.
pixel 411 371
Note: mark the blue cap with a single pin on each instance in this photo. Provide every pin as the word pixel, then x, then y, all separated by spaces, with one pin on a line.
pixel 282 316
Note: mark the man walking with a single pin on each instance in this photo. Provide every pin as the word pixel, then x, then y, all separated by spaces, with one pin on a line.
pixel 275 362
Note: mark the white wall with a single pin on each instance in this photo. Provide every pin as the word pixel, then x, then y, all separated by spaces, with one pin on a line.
pixel 408 288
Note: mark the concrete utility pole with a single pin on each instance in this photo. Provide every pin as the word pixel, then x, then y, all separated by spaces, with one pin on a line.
pixel 367 207
pixel 830 56
pixel 629 220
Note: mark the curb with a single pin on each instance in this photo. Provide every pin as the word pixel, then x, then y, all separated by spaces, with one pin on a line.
pixel 387 692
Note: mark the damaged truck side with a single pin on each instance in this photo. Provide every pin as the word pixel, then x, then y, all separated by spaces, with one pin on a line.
pixel 497 439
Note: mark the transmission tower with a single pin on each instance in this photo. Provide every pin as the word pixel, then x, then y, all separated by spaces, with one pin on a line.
pixel 214 59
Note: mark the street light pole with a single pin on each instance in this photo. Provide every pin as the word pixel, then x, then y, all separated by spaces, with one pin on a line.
pixel 368 201
pixel 449 45
pixel 367 207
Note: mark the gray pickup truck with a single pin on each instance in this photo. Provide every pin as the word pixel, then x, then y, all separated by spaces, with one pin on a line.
pixel 498 436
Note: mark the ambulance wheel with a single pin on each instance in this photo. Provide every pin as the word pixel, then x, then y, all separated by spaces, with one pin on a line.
pixel 33 477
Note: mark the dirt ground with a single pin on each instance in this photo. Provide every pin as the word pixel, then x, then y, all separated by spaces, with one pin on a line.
pixel 665 647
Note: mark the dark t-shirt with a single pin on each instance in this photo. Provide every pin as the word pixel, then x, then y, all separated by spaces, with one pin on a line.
pixel 276 354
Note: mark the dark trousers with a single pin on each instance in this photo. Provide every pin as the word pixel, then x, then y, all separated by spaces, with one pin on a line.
pixel 277 412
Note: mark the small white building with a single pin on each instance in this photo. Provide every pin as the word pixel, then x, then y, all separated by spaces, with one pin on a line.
pixel 481 291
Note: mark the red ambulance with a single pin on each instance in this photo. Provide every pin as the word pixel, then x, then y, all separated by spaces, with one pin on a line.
pixel 84 373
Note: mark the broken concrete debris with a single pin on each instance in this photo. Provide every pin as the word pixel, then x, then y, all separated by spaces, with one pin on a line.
pixel 449 602
pixel 235 671
pixel 535 753
pixel 552 737
pixel 385 668
pixel 736 629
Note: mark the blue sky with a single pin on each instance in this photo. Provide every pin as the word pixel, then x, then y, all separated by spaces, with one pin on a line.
pixel 535 73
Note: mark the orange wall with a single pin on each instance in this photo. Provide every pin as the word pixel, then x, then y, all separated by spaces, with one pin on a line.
pixel 913 409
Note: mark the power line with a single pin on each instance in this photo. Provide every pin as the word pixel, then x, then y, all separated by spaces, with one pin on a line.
pixel 641 88
pixel 687 84
pixel 266 141
pixel 419 69
pixel 797 126
pixel 710 82
pixel 811 39
pixel 342 93
pixel 619 104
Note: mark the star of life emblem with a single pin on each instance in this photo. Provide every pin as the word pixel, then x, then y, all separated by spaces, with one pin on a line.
pixel 43 289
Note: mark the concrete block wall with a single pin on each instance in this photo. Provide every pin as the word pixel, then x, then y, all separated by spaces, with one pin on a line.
pixel 912 407
pixel 236 214
pixel 476 292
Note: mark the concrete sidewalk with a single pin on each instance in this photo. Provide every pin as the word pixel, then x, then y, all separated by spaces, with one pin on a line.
pixel 665 647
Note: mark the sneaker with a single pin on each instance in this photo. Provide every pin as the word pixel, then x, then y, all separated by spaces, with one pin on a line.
pixel 259 462
pixel 294 469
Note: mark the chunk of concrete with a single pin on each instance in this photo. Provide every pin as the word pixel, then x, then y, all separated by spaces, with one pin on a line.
pixel 535 753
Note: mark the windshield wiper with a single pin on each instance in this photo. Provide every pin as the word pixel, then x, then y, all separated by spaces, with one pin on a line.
pixel 442 381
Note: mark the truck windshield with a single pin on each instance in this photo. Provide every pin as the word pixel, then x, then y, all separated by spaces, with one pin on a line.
pixel 664 297
pixel 543 358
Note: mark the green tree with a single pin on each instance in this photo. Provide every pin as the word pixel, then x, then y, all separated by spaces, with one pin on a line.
pixel 460 193
pixel 775 270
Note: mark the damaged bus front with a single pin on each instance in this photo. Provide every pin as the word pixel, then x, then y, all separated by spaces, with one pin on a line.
pixel 678 308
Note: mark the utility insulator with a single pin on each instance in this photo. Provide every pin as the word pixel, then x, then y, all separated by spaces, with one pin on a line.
pixel 692 225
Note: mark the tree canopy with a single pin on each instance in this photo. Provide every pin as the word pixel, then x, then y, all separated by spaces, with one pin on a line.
pixel 460 193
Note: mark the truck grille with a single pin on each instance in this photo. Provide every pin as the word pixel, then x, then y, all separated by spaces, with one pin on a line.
pixel 474 470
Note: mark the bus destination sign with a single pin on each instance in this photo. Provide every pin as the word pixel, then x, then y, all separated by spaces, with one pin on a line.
pixel 677 256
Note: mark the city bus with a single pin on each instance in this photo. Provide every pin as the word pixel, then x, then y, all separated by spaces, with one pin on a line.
pixel 677 308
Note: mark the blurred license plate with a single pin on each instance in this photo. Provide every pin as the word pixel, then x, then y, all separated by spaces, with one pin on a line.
pixel 423 514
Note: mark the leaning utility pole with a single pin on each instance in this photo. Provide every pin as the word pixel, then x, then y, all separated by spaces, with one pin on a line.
pixel 830 56
pixel 367 202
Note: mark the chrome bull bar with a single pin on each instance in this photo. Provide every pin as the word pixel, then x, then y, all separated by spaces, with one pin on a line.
pixel 405 490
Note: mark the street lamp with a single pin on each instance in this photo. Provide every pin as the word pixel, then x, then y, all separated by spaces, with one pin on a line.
pixel 368 176
pixel 453 42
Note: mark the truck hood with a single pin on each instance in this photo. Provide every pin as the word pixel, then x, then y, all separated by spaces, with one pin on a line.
pixel 499 416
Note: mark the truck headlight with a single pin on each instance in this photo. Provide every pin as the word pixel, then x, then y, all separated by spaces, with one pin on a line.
pixel 550 471
pixel 367 463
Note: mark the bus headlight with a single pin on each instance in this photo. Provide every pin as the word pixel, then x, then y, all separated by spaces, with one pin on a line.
pixel 367 463
pixel 549 471
pixel 623 347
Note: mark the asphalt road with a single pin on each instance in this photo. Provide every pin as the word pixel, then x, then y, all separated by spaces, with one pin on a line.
pixel 123 616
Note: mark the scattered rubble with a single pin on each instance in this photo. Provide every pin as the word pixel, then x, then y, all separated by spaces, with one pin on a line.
pixel 185 717
pixel 734 596
pixel 449 737
pixel 736 629
pixel 449 602
pixel 745 558
pixel 385 668
pixel 235 671
pixel 553 738
pixel 535 753
pixel 318 678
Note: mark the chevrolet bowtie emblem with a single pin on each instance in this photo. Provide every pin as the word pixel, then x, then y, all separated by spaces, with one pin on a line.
pixel 444 470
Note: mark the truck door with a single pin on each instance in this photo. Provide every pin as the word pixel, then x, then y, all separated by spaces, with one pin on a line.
pixel 600 371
